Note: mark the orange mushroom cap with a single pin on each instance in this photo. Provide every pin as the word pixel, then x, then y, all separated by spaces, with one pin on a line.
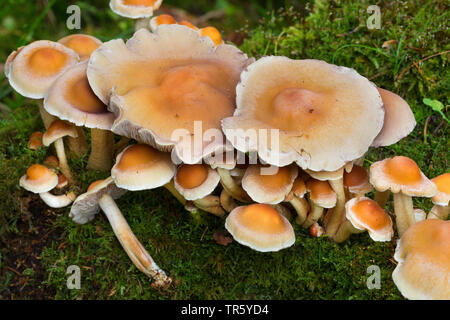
pixel 82 44
pixel 321 193
pixel 213 34
pixel 357 180
pixel 135 9
pixel 195 181
pixel 39 179
pixel 442 183
pixel 58 129
pixel 35 141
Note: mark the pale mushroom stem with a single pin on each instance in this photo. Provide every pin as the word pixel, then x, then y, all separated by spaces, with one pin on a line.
pixel 337 214
pixel 141 23
pixel 233 189
pixel 57 201
pixel 345 230
pixel 77 146
pixel 314 215
pixel 285 212
pixel 301 206
pixel 63 165
pixel 227 201
pixel 47 118
pixel 439 212
pixel 210 204
pixel 102 148
pixel 382 197
pixel 137 253
pixel 171 188
pixel 122 144
pixel 404 212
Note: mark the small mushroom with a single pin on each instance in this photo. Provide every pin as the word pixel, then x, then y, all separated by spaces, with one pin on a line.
pixel 357 182
pixel 40 179
pixel 441 210
pixel 315 230
pixel 403 178
pixel 321 196
pixel 260 227
pixel 101 195
pixel 139 10
pixel 51 161
pixel 423 256
pixel 55 133
pixel 35 141
pixel 296 197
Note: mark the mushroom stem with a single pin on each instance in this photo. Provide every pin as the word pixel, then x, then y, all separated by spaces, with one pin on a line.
pixel 137 253
pixel 337 215
pixel 78 145
pixel 404 212
pixel 63 165
pixel 382 197
pixel 122 144
pixel 47 118
pixel 346 229
pixel 233 189
pixel 314 215
pixel 141 23
pixel 171 188
pixel 58 201
pixel 210 204
pixel 439 212
pixel 102 148
pixel 285 212
pixel 301 206
pixel 227 201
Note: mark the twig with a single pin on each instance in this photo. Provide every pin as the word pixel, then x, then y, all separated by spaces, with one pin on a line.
pixel 400 75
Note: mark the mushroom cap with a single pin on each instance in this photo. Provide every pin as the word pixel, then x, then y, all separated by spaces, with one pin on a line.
pixel 298 188
pixel 137 80
pixel 58 129
pixel 195 181
pixel 134 9
pixel 155 22
pixel 212 33
pixel 32 69
pixel 223 160
pixel 423 255
pixel 141 167
pixel 399 119
pixel 39 179
pixel 401 174
pixel 82 44
pixel 442 183
pixel 321 193
pixel 35 141
pixel 51 161
pixel 269 187
pixel 71 98
pixel 357 180
pixel 325 115
pixel 86 206
pixel 260 227
pixel 366 214
pixel 326 175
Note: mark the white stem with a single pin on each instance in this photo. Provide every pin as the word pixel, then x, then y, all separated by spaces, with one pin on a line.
pixel 233 189
pixel 337 215
pixel 404 212
pixel 227 201
pixel 314 215
pixel 210 204
pixel 137 253
pixel 61 153
pixel 171 188
pixel 301 206
pixel 439 212
pixel 57 201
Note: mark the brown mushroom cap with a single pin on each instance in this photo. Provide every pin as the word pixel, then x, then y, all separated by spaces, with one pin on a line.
pixel 423 255
pixel 326 115
pixel 35 141
pixel 260 227
pixel 321 193
pixel 357 180
pixel 58 129
pixel 271 188
pixel 142 76
pixel 141 167
pixel 38 179
pixel 399 120
pixel 71 98
pixel 134 9
pixel 32 69
pixel 195 181
pixel 401 174
pixel 442 183
pixel 366 214
pixel 82 44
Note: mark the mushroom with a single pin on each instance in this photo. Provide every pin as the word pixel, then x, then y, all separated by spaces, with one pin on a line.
pixel 196 182
pixel 419 214
pixel 101 195
pixel 55 133
pixel 260 227
pixel 321 196
pixel 357 182
pixel 51 161
pixel 423 255
pixel 137 81
pixel 362 214
pixel 35 141
pixel 297 199
pixel 139 10
pixel 315 230
pixel 40 179
pixel 32 69
pixel 441 210
pixel 318 115
pixel 71 98
pixel 156 21
pixel 403 178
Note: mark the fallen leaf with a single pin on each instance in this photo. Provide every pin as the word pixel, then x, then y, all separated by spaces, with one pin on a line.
pixel 221 238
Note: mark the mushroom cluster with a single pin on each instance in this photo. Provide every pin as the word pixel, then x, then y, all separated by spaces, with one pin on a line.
pixel 261 144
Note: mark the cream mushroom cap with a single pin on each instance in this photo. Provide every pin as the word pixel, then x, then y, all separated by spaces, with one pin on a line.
pixel 39 179
pixel 32 69
pixel 269 187
pixel 195 181
pixel 86 205
pixel 366 214
pixel 58 129
pixel 260 227
pixel 141 167
pixel 71 98
pixel 442 183
pixel 82 44
pixel 325 115
pixel 321 193
pixel 135 9
pixel 423 255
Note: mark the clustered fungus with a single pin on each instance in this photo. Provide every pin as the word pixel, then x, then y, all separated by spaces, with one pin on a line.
pixel 259 144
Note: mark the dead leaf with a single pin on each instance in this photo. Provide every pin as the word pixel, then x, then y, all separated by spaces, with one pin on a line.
pixel 221 238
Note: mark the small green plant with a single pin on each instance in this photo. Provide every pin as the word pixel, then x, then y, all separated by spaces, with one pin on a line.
pixel 437 106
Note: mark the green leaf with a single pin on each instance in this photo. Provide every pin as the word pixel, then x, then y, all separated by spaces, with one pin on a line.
pixel 436 105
